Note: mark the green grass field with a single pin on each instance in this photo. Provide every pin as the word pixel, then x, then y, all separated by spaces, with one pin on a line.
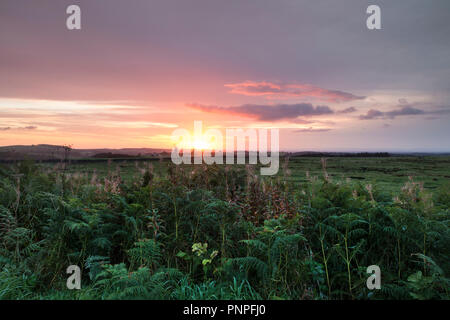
pixel 390 173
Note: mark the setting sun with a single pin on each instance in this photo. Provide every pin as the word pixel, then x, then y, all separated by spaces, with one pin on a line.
pixel 201 144
pixel 197 142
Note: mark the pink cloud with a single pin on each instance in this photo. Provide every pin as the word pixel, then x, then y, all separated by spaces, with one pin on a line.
pixel 290 90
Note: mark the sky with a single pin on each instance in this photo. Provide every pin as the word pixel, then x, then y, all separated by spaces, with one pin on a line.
pixel 139 69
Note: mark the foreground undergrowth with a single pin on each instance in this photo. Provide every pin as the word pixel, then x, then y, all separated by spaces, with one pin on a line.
pixel 216 232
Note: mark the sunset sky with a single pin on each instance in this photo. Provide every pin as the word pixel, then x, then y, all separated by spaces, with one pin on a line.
pixel 137 70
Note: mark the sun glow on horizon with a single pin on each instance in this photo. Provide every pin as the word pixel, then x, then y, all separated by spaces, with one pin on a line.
pixel 201 144
pixel 196 142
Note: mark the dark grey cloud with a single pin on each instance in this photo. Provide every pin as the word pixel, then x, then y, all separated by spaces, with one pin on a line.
pixel 290 90
pixel 403 111
pixel 347 110
pixel 406 110
pixel 440 111
pixel 311 130
pixel 268 112
pixel 18 128
pixel 372 114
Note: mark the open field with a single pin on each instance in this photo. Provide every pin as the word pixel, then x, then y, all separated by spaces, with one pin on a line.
pixel 388 173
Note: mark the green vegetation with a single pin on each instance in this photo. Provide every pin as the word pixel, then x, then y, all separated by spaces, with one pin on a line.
pixel 389 173
pixel 152 230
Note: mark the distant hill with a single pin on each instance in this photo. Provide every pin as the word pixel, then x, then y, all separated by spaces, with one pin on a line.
pixel 45 152
pixel 111 155
pixel 54 152
pixel 339 154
